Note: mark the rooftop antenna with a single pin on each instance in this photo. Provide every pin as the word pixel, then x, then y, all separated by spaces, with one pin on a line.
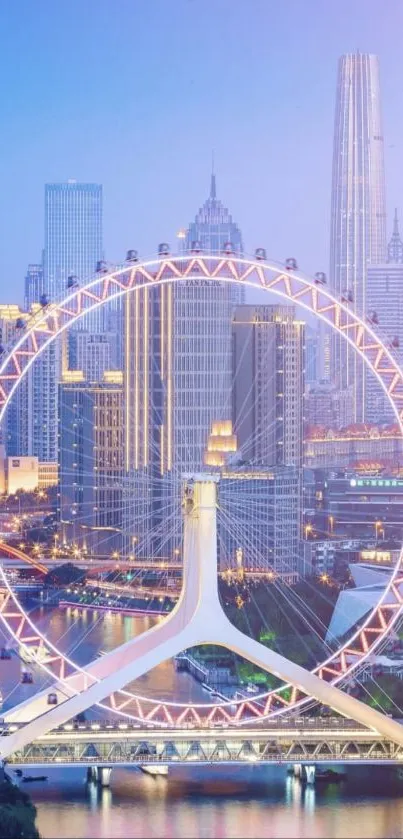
pixel 213 193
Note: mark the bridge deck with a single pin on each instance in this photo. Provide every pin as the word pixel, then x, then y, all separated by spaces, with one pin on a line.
pixel 112 744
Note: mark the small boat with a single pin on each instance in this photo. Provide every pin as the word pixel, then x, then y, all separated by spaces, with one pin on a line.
pixel 30 778
pixel 154 769
pixel 331 776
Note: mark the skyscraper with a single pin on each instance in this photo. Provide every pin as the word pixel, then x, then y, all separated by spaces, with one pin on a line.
pixel 73 234
pixel 268 384
pixel 91 461
pixel 358 216
pixel 178 368
pixel 73 245
pixel 34 284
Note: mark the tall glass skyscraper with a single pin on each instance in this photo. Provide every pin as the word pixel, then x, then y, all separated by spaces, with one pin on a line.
pixel 73 234
pixel 73 245
pixel 358 214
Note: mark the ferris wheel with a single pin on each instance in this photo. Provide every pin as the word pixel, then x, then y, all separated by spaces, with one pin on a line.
pixel 70 682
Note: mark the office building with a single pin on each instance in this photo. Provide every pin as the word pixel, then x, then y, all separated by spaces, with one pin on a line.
pixel 90 353
pixel 358 214
pixel 34 285
pixel 384 292
pixel 265 504
pixel 178 377
pixel 91 461
pixel 73 245
pixel 268 384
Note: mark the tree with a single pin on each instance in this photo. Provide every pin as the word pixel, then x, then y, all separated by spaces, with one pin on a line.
pixel 64 575
pixel 17 813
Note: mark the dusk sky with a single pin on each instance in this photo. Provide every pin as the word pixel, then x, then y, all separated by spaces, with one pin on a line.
pixel 135 94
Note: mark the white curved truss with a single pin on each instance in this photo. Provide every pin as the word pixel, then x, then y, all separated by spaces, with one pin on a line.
pixel 41 330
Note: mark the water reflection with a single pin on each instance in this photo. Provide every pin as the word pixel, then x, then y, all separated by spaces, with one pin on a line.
pixel 227 802
pixel 199 802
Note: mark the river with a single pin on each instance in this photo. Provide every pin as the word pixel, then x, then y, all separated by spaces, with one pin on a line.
pixel 199 802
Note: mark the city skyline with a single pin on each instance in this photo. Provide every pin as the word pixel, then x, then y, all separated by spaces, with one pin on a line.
pixel 293 171
pixel 201 405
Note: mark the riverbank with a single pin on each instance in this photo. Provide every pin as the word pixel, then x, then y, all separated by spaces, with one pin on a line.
pixel 121 610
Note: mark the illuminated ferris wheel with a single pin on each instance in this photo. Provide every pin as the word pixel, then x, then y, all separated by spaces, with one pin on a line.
pixel 340 662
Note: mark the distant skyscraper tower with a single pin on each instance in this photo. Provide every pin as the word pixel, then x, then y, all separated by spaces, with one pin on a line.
pixel 395 246
pixel 34 284
pixel 214 226
pixel 358 216
pixel 73 245
pixel 73 234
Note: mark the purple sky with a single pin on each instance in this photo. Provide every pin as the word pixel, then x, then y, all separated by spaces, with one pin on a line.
pixel 134 94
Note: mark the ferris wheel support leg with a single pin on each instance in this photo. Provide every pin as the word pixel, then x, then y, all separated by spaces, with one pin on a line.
pixel 309 683
pixel 65 711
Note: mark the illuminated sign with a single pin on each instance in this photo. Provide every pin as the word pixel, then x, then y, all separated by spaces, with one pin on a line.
pixel 376 482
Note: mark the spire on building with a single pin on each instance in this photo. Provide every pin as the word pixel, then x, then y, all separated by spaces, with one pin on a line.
pixel 395 246
pixel 213 192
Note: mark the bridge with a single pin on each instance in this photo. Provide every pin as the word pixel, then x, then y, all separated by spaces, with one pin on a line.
pixel 307 742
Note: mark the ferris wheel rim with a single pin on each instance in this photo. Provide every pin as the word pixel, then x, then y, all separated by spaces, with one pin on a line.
pixel 154 279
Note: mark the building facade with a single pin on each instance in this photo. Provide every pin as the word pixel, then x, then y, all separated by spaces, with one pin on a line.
pixel 73 245
pixel 91 462
pixel 358 212
pixel 384 293
pixel 178 376
pixel 362 447
pixel 91 353
pixel 265 505
pixel 268 384
pixel 34 284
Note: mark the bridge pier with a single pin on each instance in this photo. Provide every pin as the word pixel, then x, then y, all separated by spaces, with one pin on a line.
pixel 99 775
pixel 310 771
pixel 104 776
pixel 92 774
pixel 297 770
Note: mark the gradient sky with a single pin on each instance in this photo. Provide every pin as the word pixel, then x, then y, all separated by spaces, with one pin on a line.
pixel 134 94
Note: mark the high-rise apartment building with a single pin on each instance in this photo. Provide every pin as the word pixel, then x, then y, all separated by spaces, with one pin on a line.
pixel 91 461
pixel 358 214
pixel 268 384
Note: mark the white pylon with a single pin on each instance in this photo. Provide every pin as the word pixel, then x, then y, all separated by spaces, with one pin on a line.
pixel 198 618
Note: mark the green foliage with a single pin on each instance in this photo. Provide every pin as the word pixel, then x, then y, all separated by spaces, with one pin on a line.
pixel 17 813
pixel 64 575
pixel 385 695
